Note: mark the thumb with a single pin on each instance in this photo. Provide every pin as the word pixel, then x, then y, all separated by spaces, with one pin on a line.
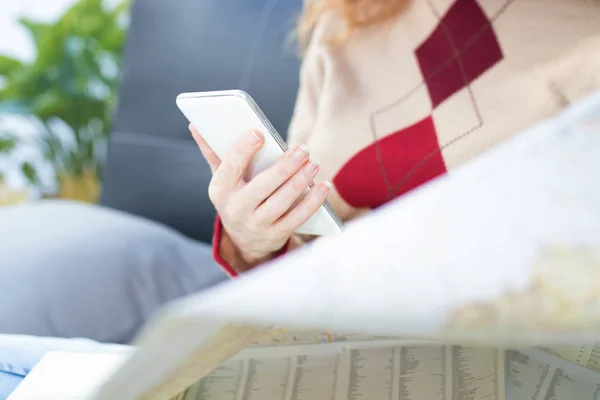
pixel 210 156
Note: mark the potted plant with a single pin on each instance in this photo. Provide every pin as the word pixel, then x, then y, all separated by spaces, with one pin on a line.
pixel 68 92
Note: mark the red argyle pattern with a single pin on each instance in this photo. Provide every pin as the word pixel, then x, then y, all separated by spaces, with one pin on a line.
pixel 389 159
pixel 462 47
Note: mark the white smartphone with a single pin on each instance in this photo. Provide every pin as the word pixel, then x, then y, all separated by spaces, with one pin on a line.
pixel 222 117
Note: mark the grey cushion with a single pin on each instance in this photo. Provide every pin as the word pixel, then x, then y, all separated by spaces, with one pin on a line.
pixel 184 46
pixel 74 270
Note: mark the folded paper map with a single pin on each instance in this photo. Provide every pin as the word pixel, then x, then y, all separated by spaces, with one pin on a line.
pixel 416 301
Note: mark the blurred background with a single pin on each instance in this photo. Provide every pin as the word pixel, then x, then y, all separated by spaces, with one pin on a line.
pixel 104 211
pixel 59 73
pixel 87 97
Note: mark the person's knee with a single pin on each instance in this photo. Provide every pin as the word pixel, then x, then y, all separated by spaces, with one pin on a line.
pixel 100 276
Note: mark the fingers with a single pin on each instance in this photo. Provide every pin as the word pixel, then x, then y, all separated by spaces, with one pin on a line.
pixel 278 203
pixel 274 197
pixel 305 208
pixel 230 173
pixel 265 183
pixel 210 156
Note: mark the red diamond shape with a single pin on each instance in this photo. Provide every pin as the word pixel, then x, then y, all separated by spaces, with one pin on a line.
pixel 360 181
pixel 461 48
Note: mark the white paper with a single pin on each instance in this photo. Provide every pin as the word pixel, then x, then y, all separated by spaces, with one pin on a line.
pixel 382 373
pixel 529 379
pixel 580 361
pixel 586 355
pixel 67 376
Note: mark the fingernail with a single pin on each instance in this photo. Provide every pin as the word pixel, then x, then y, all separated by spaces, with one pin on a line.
pixel 324 188
pixel 301 152
pixel 255 137
pixel 310 168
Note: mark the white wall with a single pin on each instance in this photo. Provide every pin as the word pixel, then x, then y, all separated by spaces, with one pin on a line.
pixel 14 41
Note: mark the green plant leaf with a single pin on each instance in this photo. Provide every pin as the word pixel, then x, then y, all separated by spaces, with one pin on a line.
pixel 30 172
pixel 8 65
pixel 90 151
pixel 7 144
pixel 113 41
pixel 35 29
pixel 49 104
pixel 24 84
pixel 51 49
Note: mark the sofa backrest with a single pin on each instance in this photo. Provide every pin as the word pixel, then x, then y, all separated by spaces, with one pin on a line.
pixel 153 168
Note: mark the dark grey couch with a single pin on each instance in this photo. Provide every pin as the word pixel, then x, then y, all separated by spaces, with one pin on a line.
pixel 154 169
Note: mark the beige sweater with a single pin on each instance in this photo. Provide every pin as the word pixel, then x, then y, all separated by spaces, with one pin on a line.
pixel 400 104
pixel 448 79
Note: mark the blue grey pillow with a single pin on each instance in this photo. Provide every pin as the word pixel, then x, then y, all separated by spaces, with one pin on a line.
pixel 69 269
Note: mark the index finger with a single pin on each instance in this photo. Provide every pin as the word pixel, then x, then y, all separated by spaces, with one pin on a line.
pixel 235 164
pixel 213 160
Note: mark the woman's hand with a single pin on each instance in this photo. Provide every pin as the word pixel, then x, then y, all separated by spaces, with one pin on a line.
pixel 260 216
